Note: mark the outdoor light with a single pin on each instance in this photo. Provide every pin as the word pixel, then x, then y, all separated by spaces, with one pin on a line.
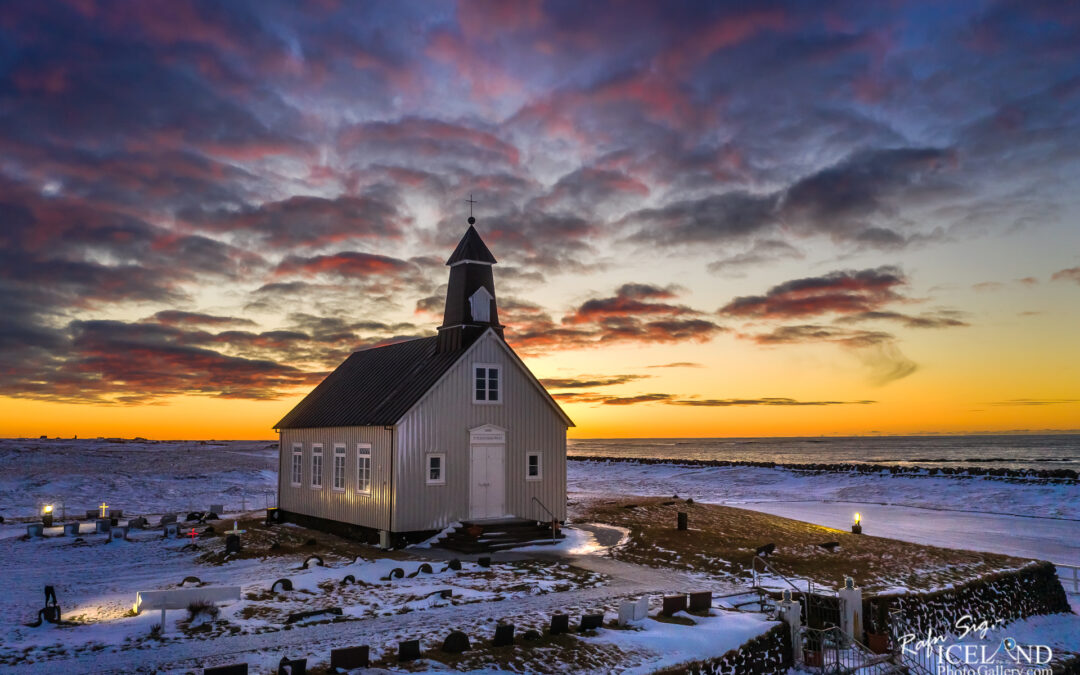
pixel 47 515
pixel 48 508
pixel 856 527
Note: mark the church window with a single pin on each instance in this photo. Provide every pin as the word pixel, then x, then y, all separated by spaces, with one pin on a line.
pixel 480 305
pixel 436 469
pixel 297 465
pixel 339 467
pixel 486 387
pixel 316 466
pixel 363 468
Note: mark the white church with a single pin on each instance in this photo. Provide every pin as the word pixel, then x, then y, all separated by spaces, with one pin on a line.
pixel 403 440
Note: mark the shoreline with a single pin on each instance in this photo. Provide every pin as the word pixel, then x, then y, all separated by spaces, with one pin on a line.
pixel 1037 476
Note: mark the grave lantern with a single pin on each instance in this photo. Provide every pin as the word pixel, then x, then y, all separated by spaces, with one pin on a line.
pixel 47 515
pixel 856 527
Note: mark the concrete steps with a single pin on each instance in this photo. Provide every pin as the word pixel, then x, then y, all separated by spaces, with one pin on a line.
pixel 491 536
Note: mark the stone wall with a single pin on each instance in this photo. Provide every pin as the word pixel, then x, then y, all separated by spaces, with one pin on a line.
pixel 996 598
pixel 767 654
pixel 1026 476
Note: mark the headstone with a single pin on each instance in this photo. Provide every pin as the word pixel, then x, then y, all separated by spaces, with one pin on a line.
pixel 626 612
pixel 233 669
pixel 300 616
pixel 532 635
pixel 591 622
pixel 71 529
pixel 35 530
pixel 454 564
pixel 172 530
pixel 91 514
pixel 272 515
pixel 117 514
pixel 456 643
pixel 286 585
pixel 641 608
pixel 560 623
pixel 138 523
pixel 348 658
pixel 409 650
pixel 484 561
pixel 289 666
pixel 193 516
pixel 232 543
pixel 504 634
pixel 684 520
pixel 102 525
pixel 168 518
pixel 673 604
pixel 119 532
pixel 701 601
pixel 217 508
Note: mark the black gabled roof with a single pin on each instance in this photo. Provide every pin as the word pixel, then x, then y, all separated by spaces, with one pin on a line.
pixel 471 247
pixel 373 387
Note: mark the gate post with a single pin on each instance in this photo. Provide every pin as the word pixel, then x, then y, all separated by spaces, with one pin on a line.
pixel 851 609
pixel 790 612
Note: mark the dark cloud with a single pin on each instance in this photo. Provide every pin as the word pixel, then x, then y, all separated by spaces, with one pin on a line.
pixel 843 292
pixel 669 399
pixel 723 217
pixel 876 350
pixel 586 382
pixel 176 317
pixel 760 254
pixel 939 319
pixel 678 364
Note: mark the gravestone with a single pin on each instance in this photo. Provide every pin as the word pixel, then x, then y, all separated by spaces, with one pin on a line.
pixel 193 516
pixel 138 523
pixel 289 666
pixel 272 515
pixel 454 564
pixel 673 604
pixel 626 612
pixel 300 616
pixel 504 635
pixel 456 643
pixel 701 601
pixel 591 622
pixel 560 623
pixel 350 657
pixel 409 650
pixel 119 533
pixel 641 608
pixel 91 514
pixel 102 525
pixel 171 531
pixel 684 520
pixel 35 530
pixel 232 543
pixel 484 561
pixel 286 585
pixel 168 518
pixel 117 514
pixel 232 669
pixel 532 635
pixel 217 508
pixel 71 529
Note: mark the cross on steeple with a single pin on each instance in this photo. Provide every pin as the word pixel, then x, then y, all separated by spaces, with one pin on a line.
pixel 470 201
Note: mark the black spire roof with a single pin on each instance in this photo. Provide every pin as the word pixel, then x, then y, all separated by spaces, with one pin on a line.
pixel 471 247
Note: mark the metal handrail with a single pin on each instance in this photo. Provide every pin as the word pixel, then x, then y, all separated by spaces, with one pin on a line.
pixel 1075 578
pixel 808 592
pixel 554 520
pixel 920 664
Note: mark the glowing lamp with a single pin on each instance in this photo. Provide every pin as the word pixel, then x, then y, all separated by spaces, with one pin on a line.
pixel 48 508
pixel 47 515
pixel 856 527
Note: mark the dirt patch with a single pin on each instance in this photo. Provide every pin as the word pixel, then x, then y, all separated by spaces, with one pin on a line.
pixel 723 540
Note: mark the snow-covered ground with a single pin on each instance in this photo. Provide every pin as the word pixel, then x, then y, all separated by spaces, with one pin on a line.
pixel 1023 519
pixel 96 582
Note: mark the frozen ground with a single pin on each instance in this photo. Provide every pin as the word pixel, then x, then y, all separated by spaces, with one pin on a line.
pixel 96 582
pixel 1013 518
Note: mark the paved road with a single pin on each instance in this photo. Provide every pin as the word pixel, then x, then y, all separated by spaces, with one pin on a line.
pixel 430 624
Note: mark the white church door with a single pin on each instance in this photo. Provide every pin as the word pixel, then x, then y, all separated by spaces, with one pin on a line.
pixel 487 489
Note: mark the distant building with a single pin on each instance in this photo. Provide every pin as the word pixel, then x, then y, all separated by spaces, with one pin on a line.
pixel 403 440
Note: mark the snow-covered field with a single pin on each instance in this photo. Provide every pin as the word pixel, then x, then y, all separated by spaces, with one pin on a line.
pixel 96 582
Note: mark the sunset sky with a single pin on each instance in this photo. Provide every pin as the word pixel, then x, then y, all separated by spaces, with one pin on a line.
pixel 767 218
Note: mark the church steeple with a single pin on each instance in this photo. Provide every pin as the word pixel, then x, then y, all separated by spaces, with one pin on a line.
pixel 470 295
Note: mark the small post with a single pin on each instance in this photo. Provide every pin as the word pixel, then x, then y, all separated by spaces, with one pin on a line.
pixel 684 521
pixel 162 620
pixel 851 609
pixel 791 614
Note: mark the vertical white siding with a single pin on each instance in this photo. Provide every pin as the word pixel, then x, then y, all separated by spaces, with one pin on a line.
pixel 440 422
pixel 369 510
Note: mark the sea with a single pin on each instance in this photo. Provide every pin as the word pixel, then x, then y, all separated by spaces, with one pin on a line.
pixel 1057 451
